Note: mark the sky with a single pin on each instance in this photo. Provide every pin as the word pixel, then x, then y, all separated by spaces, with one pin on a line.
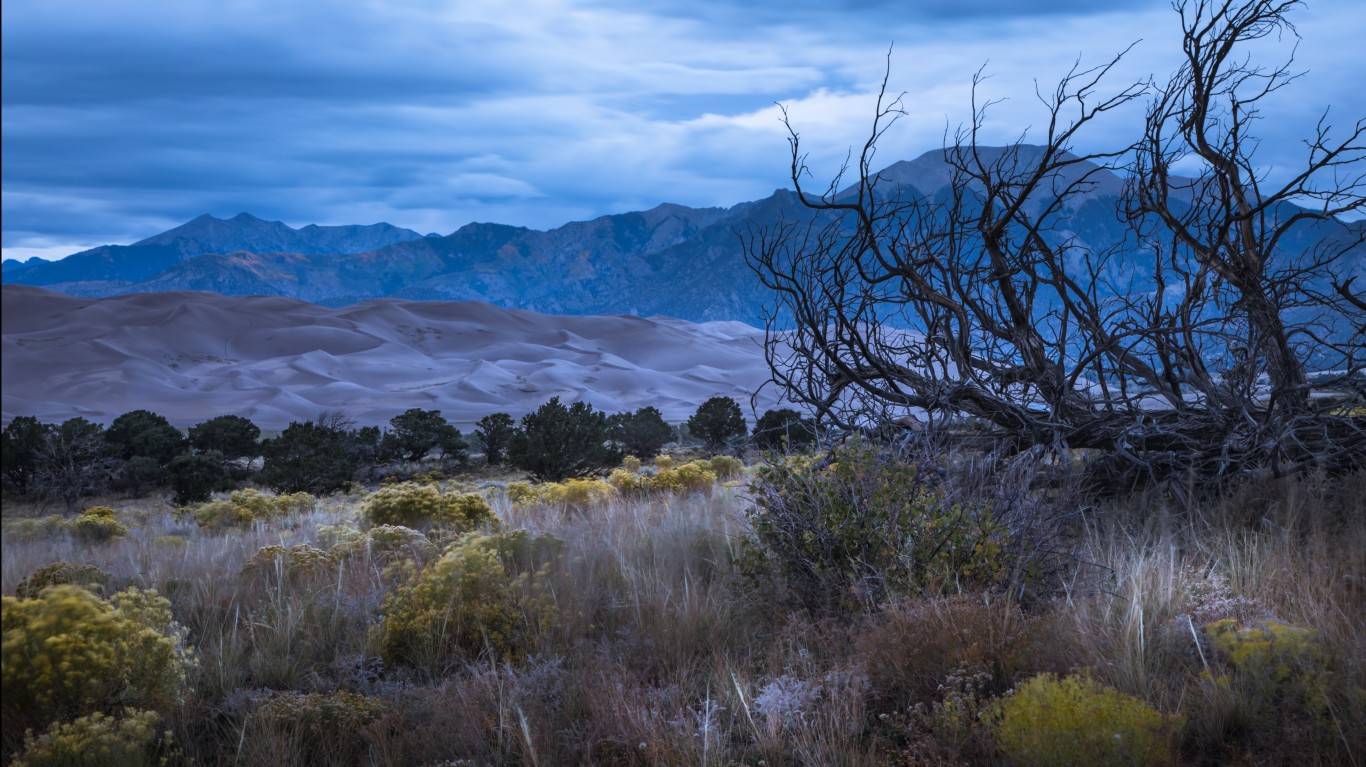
pixel 123 119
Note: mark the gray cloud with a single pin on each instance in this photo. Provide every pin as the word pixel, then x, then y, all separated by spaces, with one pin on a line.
pixel 122 119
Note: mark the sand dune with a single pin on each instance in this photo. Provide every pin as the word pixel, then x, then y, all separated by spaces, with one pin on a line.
pixel 191 356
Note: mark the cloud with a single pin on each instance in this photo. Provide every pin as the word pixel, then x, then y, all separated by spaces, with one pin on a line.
pixel 122 119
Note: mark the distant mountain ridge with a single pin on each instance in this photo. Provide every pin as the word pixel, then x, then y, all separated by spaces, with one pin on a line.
pixel 127 265
pixel 670 260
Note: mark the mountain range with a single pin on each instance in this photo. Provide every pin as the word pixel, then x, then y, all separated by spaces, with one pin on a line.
pixel 671 260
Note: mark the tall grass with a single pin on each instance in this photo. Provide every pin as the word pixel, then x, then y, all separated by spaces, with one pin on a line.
pixel 655 647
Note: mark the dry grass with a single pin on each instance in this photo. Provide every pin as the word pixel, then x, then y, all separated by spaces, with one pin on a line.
pixel 661 652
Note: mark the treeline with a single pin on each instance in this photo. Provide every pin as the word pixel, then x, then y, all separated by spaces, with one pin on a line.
pixel 141 451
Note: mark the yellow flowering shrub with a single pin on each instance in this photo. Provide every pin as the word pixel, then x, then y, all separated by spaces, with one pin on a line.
pixel 35 528
pixel 726 466
pixel 577 493
pixel 1275 660
pixel 130 740
pixel 692 477
pixel 87 576
pixel 97 524
pixel 483 594
pixel 243 507
pixel 1075 720
pixel 664 462
pixel 628 482
pixel 409 504
pixel 68 652
pixel 630 464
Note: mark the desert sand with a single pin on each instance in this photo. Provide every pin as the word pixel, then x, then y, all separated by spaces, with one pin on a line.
pixel 191 356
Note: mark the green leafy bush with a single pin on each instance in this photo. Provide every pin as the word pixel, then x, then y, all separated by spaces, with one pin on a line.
pixel 718 422
pixel 409 504
pixel 853 531
pixel 1052 722
pixel 194 477
pixel 96 740
pixel 96 525
pixel 144 433
pixel 243 507
pixel 88 577
pixel 558 442
pixel 483 595
pixel 495 431
pixel 417 432
pixel 642 433
pixel 231 435
pixel 68 652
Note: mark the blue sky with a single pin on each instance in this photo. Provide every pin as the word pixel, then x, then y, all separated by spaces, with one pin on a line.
pixel 122 119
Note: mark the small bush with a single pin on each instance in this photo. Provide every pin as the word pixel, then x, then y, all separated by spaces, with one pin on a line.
pixel 693 477
pixel 631 464
pixel 577 494
pixel 1277 688
pixel 67 653
pixel 88 577
pixel 314 728
pixel 417 506
pixel 35 528
pixel 481 596
pixel 96 525
pixel 852 532
pixel 726 466
pixel 194 477
pixel 97 740
pixel 291 563
pixel 1076 720
pixel 627 482
pixel 244 507
pixel 385 544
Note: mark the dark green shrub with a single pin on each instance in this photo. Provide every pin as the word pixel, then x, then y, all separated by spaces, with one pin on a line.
pixel 195 477
pixel 309 457
pixel 73 462
pixel 718 422
pixel 417 432
pixel 783 429
pixel 558 442
pixel 851 532
pixel 496 431
pixel 89 577
pixel 642 433
pixel 144 433
pixel 138 476
pixel 231 435
pixel 19 445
